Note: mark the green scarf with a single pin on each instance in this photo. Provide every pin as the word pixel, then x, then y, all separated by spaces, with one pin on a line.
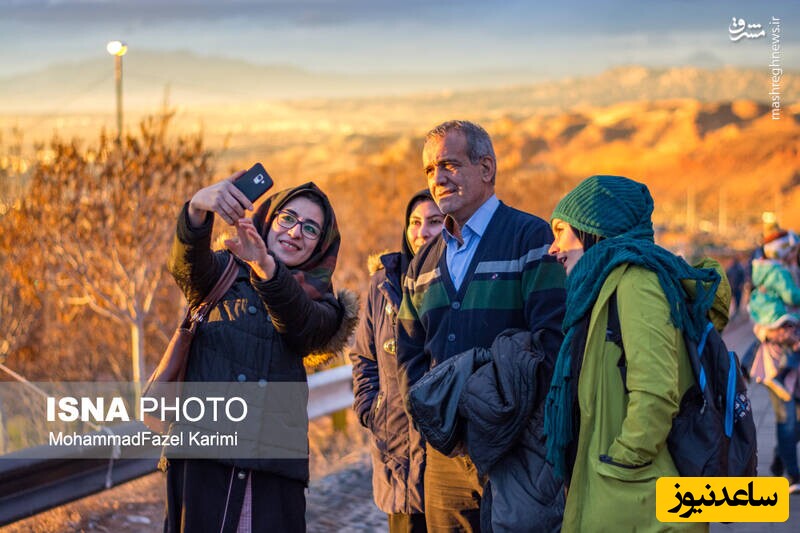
pixel 619 210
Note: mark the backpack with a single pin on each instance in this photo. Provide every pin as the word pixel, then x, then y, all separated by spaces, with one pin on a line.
pixel 713 433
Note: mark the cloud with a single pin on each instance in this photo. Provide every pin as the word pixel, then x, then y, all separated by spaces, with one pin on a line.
pixel 382 35
pixel 584 17
pixel 299 12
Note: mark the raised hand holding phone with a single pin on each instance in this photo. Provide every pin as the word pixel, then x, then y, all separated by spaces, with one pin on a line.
pixel 254 183
pixel 231 197
pixel 222 198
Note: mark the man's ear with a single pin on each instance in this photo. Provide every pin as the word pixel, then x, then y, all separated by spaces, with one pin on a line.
pixel 488 168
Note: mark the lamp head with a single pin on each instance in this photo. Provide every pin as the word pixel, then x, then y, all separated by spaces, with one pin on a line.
pixel 117 48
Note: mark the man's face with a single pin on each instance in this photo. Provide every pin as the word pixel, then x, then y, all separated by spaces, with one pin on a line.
pixel 458 186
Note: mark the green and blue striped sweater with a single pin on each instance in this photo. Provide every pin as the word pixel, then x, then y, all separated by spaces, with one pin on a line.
pixel 511 282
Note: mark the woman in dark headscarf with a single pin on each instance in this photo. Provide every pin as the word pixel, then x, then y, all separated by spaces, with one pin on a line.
pixel 280 309
pixel 398 454
pixel 608 444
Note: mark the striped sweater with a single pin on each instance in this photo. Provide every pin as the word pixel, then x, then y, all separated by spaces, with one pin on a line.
pixel 511 283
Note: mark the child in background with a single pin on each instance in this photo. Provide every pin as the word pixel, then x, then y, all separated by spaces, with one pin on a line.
pixel 772 307
pixel 773 300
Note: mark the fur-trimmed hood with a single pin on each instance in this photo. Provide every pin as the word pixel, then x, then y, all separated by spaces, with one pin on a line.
pixel 340 340
pixel 374 262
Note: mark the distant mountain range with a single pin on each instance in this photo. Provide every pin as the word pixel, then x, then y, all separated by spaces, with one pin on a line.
pixel 189 80
pixel 193 80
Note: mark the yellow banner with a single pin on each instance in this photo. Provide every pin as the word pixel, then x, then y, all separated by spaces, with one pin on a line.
pixel 722 499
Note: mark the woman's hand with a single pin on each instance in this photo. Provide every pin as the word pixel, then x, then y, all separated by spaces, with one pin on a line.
pixel 223 198
pixel 251 248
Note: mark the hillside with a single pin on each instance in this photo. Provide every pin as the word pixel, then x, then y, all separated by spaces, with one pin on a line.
pixel 714 159
pixel 680 147
pixel 713 169
pixel 196 82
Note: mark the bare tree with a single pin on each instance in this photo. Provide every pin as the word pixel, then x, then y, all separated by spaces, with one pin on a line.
pixel 20 304
pixel 101 220
pixel 18 317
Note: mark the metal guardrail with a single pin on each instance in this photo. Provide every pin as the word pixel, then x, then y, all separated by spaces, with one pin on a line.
pixel 330 391
pixel 30 486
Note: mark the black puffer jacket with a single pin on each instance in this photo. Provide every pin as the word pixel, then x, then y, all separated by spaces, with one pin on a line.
pixel 503 405
pixel 496 415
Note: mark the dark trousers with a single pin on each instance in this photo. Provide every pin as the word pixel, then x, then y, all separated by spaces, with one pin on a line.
pixel 787 422
pixel 407 523
pixel 207 496
pixel 452 493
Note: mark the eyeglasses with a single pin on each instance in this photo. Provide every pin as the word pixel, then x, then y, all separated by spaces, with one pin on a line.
pixel 309 228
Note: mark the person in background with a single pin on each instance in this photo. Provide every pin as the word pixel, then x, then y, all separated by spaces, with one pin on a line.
pixel 773 308
pixel 487 272
pixel 736 277
pixel 398 451
pixel 606 442
pixel 280 308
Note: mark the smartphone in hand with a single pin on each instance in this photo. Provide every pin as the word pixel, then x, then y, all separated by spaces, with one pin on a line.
pixel 254 183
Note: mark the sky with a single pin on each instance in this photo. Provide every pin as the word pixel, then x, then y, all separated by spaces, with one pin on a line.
pixel 555 39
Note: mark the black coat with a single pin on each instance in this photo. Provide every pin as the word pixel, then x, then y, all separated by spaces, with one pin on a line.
pixel 258 332
pixel 254 340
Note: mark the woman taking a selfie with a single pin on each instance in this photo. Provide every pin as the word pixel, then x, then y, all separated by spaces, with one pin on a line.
pixel 280 308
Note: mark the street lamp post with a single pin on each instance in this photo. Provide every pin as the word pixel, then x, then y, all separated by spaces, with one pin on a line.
pixel 118 49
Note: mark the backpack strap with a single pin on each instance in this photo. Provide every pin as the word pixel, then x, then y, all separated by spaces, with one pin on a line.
pixel 697 366
pixel 614 334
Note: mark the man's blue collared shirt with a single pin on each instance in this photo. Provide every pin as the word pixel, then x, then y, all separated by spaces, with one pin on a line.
pixel 459 255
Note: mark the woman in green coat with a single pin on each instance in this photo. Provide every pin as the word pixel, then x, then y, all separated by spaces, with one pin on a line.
pixel 607 443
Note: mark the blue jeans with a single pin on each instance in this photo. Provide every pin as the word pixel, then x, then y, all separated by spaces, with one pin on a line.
pixel 788 433
pixel 790 362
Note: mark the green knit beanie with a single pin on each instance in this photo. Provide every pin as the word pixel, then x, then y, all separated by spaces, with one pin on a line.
pixel 608 206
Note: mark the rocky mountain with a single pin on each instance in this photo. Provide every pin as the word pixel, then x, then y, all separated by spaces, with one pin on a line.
pixel 713 150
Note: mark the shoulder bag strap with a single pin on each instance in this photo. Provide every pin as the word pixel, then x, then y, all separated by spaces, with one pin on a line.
pixel 218 291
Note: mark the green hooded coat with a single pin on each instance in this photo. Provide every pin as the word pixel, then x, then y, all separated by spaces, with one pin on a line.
pixel 617 493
